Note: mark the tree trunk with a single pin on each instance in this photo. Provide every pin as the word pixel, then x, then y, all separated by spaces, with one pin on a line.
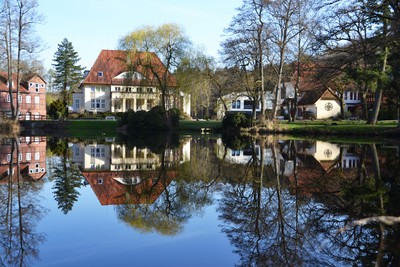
pixel 379 90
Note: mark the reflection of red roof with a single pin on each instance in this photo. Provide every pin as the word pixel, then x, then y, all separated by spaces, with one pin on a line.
pixel 110 191
pixel 312 176
pixel 114 62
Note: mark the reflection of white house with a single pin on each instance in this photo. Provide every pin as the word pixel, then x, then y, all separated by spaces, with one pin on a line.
pixel 115 85
pixel 242 102
pixel 249 154
pixel 118 157
pixel 350 159
pixel 91 156
pixel 322 151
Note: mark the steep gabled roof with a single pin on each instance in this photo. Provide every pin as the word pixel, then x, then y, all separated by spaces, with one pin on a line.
pixel 112 63
pixel 311 97
pixel 23 86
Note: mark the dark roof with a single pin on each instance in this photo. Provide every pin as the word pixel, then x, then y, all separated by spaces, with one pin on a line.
pixel 311 97
pixel 114 62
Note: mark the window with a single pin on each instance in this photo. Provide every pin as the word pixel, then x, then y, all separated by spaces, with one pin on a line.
pixel 99 180
pixel 30 84
pixel 20 99
pixel 99 74
pixel 20 157
pixel 28 156
pixel 103 103
pixel 37 155
pixel 92 89
pixel 236 104
pixel 77 152
pixel 76 103
pixel 8 157
pixel 92 104
pixel 97 89
pixel 97 103
pixel 37 87
pixel 8 98
pixel 103 89
pixel 28 99
pixel 37 100
pixel 248 104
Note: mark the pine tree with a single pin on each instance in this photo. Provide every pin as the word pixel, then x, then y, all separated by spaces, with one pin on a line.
pixel 67 74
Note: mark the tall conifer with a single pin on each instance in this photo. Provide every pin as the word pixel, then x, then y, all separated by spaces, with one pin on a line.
pixel 67 73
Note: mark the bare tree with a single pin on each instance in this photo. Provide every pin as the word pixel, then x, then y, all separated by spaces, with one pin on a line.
pixel 246 46
pixel 284 25
pixel 18 18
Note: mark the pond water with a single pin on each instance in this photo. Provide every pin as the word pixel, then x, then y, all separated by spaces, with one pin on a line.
pixel 198 201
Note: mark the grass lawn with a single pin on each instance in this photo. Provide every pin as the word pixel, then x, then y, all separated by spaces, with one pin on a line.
pixel 338 127
pixel 108 128
pixel 92 128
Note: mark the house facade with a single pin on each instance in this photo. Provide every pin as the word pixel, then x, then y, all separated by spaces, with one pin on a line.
pixel 31 98
pixel 318 104
pixel 242 102
pixel 115 85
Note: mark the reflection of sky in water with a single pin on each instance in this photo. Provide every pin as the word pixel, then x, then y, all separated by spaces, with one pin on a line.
pixel 92 235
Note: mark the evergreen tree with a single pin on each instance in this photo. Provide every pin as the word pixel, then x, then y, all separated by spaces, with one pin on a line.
pixel 67 74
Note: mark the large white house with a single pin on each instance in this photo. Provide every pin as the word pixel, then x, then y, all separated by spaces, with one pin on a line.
pixel 115 84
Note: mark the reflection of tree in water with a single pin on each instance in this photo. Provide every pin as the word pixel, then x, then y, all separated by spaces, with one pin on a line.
pixel 179 201
pixel 66 175
pixel 272 224
pixel 19 214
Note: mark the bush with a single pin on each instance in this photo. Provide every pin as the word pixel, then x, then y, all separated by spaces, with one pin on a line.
pixel 174 115
pixel 236 120
pixel 57 109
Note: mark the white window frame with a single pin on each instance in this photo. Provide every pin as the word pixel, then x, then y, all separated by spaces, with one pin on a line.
pixel 28 99
pixel 37 99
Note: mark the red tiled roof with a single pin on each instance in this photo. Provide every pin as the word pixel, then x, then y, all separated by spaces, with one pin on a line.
pixel 23 82
pixel 114 62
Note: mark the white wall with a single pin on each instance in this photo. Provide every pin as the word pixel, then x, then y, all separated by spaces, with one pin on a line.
pixel 322 113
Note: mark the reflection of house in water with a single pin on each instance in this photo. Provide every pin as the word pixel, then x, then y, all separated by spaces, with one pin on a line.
pixel 321 163
pixel 253 152
pixel 31 158
pixel 119 174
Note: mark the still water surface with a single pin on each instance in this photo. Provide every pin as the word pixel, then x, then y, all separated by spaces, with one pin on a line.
pixel 198 201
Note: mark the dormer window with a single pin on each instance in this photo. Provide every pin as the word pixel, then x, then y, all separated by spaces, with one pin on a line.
pixel 99 74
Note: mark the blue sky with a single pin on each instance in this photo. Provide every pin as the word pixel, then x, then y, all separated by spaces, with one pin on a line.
pixel 92 25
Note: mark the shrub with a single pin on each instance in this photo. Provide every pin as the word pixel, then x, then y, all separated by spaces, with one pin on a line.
pixel 174 115
pixel 57 109
pixel 236 120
